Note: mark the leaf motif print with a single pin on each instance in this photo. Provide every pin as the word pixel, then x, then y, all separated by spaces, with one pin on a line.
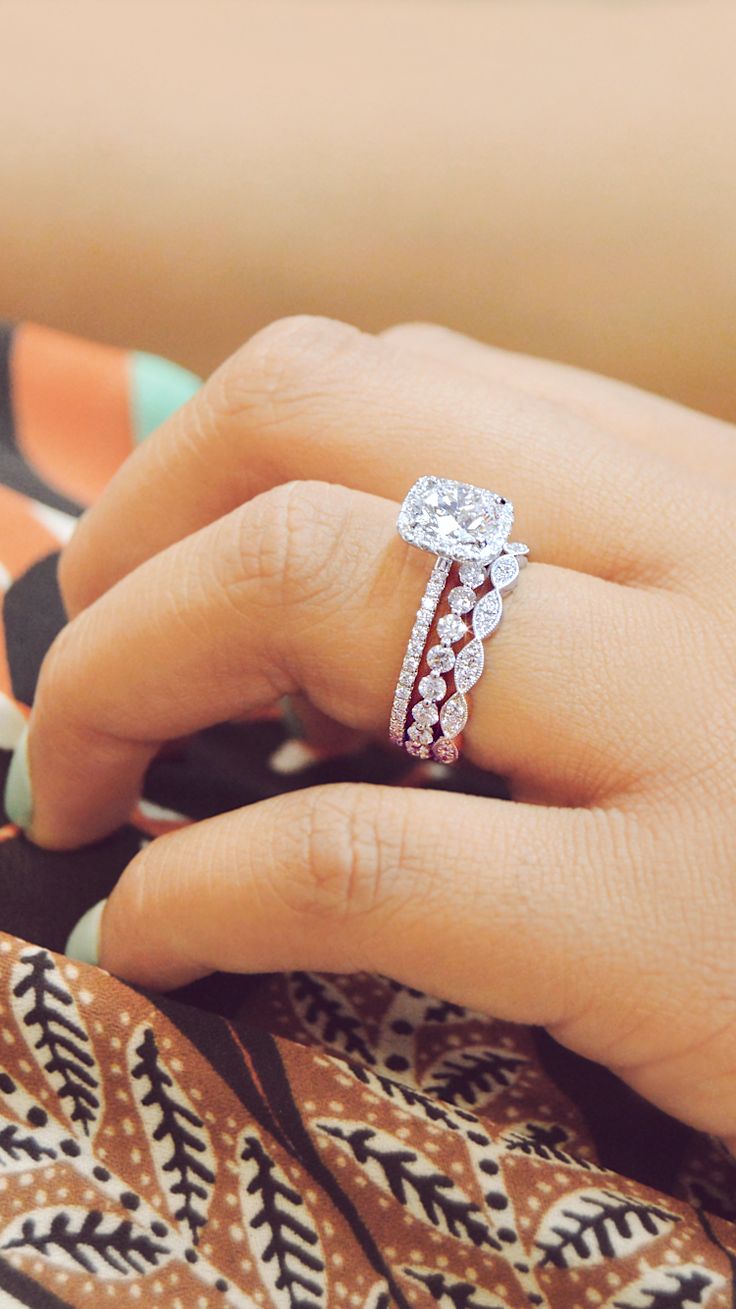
pixel 407 1097
pixel 328 1016
pixel 453 1292
pixel 473 1076
pixel 487 1157
pixel 282 1237
pixel 668 1288
pixel 545 1141
pixel 57 1037
pixel 588 1227
pixel 178 1140
pixel 418 1008
pixel 378 1297
pixel 441 1011
pixel 413 1179
pixel 86 1240
pixel 20 1150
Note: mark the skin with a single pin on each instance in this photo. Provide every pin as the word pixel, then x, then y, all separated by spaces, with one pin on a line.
pixel 601 902
pixel 553 177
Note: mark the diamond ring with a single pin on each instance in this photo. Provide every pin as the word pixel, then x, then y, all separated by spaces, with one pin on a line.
pixel 467 528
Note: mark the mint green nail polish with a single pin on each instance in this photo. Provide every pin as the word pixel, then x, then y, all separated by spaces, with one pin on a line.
pixel 18 797
pixel 158 387
pixel 84 939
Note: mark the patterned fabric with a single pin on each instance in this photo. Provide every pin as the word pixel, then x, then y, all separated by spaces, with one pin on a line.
pixel 301 1141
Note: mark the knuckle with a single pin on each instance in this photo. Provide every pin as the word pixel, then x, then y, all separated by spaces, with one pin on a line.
pixel 284 365
pixel 286 539
pixel 419 335
pixel 344 854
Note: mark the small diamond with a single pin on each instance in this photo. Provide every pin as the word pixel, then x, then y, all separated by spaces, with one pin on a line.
pixel 504 572
pixel 445 752
pixel 461 599
pixel 454 714
pixel 418 751
pixel 425 714
pixel 516 548
pixel 487 614
pixel 469 665
pixel 433 687
pixel 472 574
pixel 441 658
pixel 424 735
pixel 451 628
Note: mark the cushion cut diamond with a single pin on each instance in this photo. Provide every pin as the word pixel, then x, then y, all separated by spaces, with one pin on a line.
pixel 456 520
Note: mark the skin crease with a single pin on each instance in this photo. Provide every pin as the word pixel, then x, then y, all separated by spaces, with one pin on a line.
pixel 554 176
pixel 602 902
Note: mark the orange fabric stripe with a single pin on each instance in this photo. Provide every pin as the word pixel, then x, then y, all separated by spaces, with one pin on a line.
pixel 24 539
pixel 5 687
pixel 72 409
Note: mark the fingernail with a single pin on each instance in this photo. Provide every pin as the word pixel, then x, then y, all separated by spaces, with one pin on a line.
pixel 18 800
pixel 84 939
pixel 291 719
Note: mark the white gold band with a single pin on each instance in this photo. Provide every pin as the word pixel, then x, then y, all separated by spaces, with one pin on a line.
pixel 415 650
pixel 473 525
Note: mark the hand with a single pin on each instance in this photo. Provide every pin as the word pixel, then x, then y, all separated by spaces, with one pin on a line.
pixel 249 550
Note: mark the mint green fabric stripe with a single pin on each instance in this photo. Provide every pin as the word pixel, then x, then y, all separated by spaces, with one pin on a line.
pixel 157 388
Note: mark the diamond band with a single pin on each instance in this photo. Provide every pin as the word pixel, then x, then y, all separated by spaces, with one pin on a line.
pixel 468 527
pixel 415 650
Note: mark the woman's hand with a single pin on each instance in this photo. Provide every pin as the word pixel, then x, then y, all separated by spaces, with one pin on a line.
pixel 249 550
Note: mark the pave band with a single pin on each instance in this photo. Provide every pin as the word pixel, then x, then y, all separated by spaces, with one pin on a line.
pixel 469 527
pixel 415 649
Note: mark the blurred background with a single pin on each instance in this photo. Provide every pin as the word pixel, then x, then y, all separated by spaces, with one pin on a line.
pixel 553 176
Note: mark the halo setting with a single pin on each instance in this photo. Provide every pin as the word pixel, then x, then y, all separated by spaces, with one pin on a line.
pixel 459 521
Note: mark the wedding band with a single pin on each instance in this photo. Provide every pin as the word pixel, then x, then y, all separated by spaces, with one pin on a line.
pixel 467 528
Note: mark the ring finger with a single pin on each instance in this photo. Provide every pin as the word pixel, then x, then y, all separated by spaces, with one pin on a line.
pixel 308 588
pixel 310 398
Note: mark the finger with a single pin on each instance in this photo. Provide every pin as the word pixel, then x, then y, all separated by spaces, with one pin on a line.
pixel 351 877
pixel 697 442
pixel 538 912
pixel 309 589
pixel 309 398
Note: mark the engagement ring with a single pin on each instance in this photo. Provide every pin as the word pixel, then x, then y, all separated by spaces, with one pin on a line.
pixel 467 528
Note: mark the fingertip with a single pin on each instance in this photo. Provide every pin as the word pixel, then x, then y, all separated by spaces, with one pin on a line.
pixel 83 944
pixel 18 797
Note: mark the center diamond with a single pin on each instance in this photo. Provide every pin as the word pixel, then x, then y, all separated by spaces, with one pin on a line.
pixel 454 519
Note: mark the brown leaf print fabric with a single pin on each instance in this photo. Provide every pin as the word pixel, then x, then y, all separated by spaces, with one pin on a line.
pixel 298 1141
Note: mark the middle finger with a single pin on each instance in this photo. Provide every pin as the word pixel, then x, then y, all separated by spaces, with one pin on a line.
pixel 308 588
pixel 311 398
